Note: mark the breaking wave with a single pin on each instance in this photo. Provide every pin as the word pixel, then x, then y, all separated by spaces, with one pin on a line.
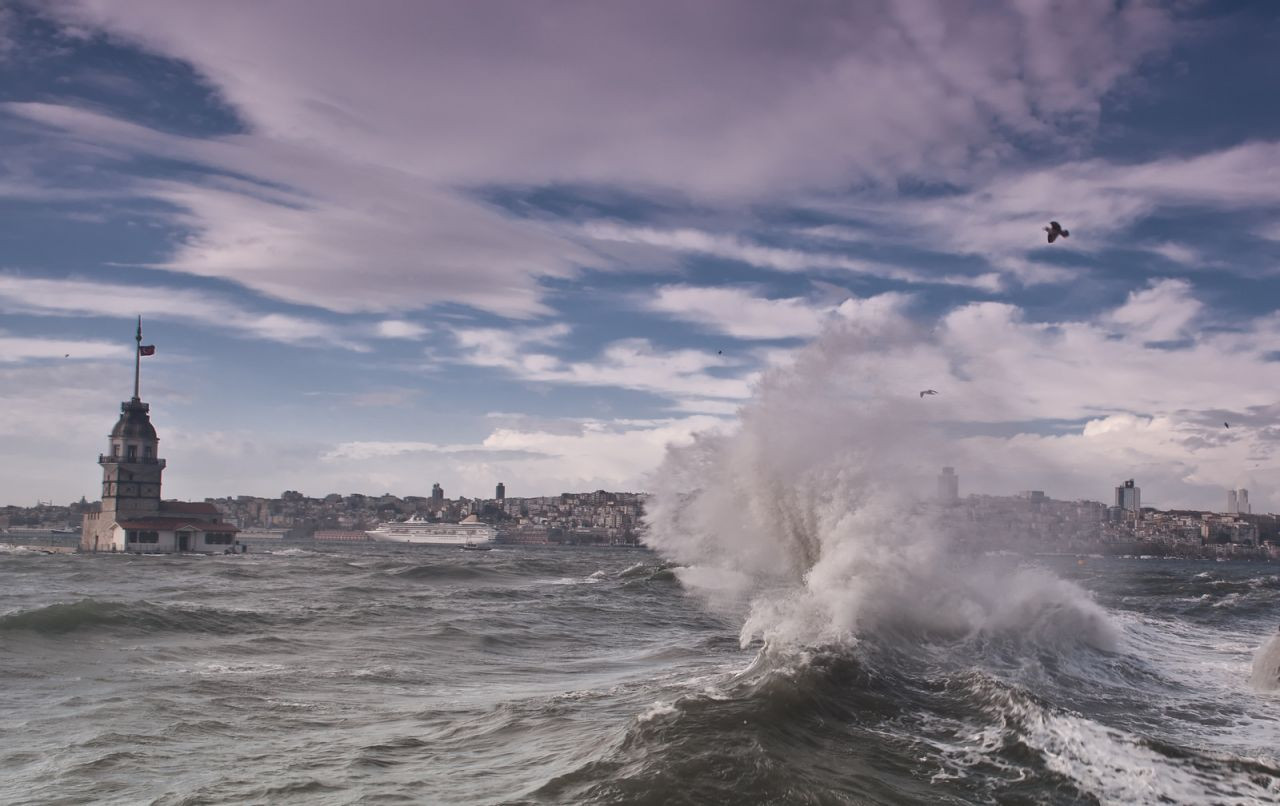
pixel 807 520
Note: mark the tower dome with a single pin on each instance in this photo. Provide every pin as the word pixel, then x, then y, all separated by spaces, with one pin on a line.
pixel 134 422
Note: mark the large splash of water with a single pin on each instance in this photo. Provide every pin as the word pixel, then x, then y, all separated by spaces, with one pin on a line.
pixel 1266 666
pixel 815 516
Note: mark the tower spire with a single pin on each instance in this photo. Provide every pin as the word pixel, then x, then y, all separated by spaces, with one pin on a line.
pixel 137 359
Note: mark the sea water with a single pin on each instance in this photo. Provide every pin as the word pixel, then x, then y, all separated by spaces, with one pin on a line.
pixel 388 674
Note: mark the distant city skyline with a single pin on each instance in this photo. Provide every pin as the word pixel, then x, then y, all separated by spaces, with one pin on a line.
pixel 409 244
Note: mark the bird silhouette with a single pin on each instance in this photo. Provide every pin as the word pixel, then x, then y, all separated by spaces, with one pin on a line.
pixel 928 392
pixel 1055 229
pixel 1224 425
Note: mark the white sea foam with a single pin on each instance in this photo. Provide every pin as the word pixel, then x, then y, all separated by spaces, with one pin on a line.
pixel 655 710
pixel 808 518
pixel 1113 765
pixel 1266 666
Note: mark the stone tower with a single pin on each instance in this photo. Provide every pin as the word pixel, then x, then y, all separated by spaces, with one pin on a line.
pixel 131 468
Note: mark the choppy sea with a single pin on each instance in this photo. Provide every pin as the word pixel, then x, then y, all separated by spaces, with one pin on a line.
pixel 394 674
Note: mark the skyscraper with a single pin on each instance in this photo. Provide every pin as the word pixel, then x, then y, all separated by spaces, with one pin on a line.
pixel 1233 504
pixel 948 486
pixel 501 492
pixel 1129 497
pixel 437 495
pixel 1242 502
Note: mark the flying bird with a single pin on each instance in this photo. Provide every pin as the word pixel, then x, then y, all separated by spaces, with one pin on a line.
pixel 928 392
pixel 1055 229
pixel 1224 425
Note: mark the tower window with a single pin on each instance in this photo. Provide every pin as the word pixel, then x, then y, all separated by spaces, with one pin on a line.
pixel 146 452
pixel 133 452
pixel 115 450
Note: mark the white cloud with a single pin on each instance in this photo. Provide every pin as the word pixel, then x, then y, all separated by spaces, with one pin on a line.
pixel 400 329
pixel 1001 220
pixel 366 132
pixel 86 298
pixel 626 364
pixel 606 95
pixel 739 313
pixel 15 349
pixel 1177 252
pixel 789 260
pixel 1161 312
pixel 594 454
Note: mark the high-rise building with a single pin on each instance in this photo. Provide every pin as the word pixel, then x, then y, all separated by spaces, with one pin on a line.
pixel 1242 502
pixel 500 492
pixel 948 486
pixel 437 495
pixel 1233 504
pixel 1129 497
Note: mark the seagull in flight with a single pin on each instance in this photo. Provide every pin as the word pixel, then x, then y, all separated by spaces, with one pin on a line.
pixel 1224 425
pixel 1055 229
pixel 928 392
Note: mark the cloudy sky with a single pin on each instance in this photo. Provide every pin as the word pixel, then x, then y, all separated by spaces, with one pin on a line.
pixel 383 245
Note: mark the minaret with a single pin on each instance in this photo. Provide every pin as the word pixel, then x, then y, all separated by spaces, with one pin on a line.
pixel 131 468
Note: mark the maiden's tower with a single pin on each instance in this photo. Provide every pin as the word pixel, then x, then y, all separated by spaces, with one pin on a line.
pixel 132 516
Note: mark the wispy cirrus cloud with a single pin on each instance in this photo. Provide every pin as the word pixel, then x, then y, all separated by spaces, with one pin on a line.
pixel 634 364
pixel 362 201
pixel 400 329
pixel 740 313
pixel 743 314
pixel 42 297
pixel 778 259
pixel 1097 200
pixel 15 349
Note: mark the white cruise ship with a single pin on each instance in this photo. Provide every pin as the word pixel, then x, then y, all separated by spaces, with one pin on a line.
pixel 420 530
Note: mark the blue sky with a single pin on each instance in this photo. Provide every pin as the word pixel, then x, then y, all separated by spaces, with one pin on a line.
pixel 383 246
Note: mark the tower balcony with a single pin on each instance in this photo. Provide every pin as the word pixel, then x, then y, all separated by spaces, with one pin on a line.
pixel 104 459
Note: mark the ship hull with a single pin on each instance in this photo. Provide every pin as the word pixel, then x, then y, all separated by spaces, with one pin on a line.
pixel 474 537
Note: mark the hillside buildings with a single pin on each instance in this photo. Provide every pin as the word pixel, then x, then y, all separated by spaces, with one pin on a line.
pixel 598 517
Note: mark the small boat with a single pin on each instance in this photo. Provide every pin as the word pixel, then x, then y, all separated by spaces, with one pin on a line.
pixel 476 547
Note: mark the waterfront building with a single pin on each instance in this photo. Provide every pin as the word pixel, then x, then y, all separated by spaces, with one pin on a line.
pixel 948 486
pixel 132 516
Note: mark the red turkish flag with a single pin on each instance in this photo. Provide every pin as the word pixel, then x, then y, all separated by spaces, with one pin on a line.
pixel 146 349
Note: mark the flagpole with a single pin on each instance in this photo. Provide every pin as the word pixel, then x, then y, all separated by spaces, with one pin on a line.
pixel 137 359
